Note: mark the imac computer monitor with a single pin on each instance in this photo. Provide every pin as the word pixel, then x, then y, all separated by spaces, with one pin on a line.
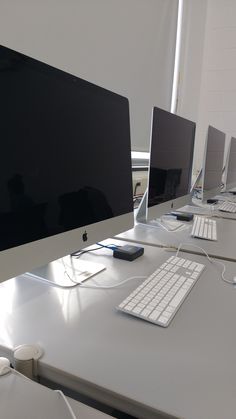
pixel 213 163
pixel 65 170
pixel 230 182
pixel 171 156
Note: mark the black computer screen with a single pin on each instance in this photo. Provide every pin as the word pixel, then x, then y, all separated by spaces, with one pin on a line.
pixel 65 151
pixel 172 143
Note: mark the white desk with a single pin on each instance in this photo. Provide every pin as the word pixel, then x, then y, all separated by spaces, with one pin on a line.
pixel 21 398
pixel 223 248
pixel 187 370
pixel 207 210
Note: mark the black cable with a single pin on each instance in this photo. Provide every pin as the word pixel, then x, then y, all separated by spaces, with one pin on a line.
pixel 78 253
pixel 136 186
pixel 101 246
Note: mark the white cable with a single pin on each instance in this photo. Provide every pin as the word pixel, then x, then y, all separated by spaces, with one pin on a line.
pixel 222 273
pixel 162 224
pixel 211 260
pixel 51 283
pixel 166 246
pixel 57 391
pixel 20 374
pixel 194 245
pixel 101 286
pixel 67 403
pixel 113 286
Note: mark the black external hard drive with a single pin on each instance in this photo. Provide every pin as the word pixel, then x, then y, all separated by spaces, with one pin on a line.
pixel 128 252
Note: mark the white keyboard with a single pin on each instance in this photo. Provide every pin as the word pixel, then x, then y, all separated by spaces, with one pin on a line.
pixel 204 228
pixel 227 206
pixel 159 297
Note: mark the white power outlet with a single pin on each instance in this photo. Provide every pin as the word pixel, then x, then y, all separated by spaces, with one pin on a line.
pixel 139 182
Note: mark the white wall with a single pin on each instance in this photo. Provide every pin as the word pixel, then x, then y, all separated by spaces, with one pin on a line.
pixel 191 57
pixel 216 98
pixel 117 44
pixel 218 89
pixel 191 60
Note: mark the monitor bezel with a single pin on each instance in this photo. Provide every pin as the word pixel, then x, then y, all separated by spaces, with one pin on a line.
pixel 17 260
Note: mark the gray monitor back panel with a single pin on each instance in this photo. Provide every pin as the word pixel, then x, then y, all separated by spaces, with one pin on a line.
pixel 231 166
pixel 213 163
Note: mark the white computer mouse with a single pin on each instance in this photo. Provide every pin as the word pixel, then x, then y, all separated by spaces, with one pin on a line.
pixel 4 365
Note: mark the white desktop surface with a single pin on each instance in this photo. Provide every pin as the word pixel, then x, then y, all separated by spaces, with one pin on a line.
pixel 21 398
pixel 187 370
pixel 224 247
pixel 208 210
pixel 227 196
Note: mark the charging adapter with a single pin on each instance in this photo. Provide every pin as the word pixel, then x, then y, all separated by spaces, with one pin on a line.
pixel 128 252
pixel 182 216
pixel 212 201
